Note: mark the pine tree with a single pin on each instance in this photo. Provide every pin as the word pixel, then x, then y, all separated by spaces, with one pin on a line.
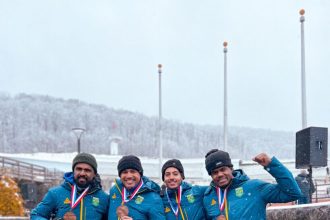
pixel 11 202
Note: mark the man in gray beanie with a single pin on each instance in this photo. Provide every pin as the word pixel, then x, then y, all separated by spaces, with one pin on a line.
pixel 232 195
pixel 80 196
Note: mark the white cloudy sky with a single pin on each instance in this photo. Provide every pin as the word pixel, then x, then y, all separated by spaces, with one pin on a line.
pixel 106 52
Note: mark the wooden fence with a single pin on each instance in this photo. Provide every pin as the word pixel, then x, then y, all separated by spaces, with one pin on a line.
pixel 26 171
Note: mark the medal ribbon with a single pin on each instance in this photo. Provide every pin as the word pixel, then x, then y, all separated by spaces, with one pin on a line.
pixel 177 199
pixel 124 192
pixel 222 198
pixel 74 201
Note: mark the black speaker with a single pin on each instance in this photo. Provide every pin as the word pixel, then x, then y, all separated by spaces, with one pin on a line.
pixel 312 147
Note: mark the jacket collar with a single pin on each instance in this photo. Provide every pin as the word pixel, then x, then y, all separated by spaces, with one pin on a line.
pixel 239 178
pixel 69 181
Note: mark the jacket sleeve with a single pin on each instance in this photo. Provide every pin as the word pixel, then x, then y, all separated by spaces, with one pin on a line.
pixel 286 188
pixel 45 208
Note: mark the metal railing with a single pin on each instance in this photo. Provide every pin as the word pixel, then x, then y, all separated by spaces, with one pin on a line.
pixel 26 171
pixel 322 191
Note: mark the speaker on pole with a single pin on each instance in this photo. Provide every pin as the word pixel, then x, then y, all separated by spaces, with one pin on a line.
pixel 312 148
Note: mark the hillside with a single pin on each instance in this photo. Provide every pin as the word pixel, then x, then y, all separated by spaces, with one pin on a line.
pixel 35 123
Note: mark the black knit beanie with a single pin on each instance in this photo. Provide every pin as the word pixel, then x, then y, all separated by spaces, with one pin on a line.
pixel 129 162
pixel 216 158
pixel 85 158
pixel 173 163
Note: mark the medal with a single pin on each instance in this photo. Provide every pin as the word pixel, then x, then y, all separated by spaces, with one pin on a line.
pixel 69 216
pixel 122 211
pixel 221 217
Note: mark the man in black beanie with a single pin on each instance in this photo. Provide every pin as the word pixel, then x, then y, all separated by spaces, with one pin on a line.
pixel 80 196
pixel 232 195
pixel 134 196
pixel 181 199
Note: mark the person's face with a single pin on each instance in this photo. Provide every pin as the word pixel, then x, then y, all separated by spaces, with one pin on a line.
pixel 83 174
pixel 222 176
pixel 172 178
pixel 130 178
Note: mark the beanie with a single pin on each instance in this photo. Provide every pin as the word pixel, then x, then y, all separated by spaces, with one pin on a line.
pixel 85 158
pixel 173 163
pixel 129 162
pixel 216 158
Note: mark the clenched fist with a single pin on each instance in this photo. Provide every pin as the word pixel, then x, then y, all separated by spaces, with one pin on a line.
pixel 262 159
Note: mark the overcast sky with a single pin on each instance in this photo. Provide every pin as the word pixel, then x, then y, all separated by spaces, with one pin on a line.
pixel 107 52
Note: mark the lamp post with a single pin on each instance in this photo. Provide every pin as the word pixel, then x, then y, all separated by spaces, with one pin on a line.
pixel 225 125
pixel 303 83
pixel 160 132
pixel 78 132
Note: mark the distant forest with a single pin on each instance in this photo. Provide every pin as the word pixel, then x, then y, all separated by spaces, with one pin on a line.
pixel 35 123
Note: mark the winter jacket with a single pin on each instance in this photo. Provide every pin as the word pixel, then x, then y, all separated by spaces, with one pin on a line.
pixel 57 202
pixel 191 202
pixel 146 204
pixel 247 199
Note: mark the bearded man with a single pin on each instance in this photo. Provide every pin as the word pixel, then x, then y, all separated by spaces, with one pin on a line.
pixel 80 196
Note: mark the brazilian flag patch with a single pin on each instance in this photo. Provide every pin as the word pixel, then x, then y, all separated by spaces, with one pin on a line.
pixel 239 192
pixel 190 198
pixel 139 200
pixel 95 201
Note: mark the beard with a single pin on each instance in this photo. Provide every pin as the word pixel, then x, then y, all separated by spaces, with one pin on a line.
pixel 82 182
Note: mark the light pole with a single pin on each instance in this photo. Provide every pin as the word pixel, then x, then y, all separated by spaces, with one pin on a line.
pixel 160 132
pixel 225 123
pixel 303 83
pixel 78 132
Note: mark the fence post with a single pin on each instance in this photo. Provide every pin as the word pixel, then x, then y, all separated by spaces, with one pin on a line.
pixel 316 191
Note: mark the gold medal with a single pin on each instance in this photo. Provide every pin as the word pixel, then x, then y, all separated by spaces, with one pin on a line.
pixel 69 216
pixel 122 211
pixel 221 217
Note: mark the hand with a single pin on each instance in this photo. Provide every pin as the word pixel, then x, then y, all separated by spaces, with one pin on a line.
pixel 262 159
pixel 122 211
pixel 69 216
pixel 126 218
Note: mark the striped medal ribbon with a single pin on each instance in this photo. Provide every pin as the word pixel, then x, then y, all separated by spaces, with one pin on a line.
pixel 75 201
pixel 124 193
pixel 177 199
pixel 222 198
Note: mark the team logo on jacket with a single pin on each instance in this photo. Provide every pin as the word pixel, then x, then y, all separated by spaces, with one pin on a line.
pixel 167 209
pixel 67 201
pixel 139 199
pixel 114 196
pixel 213 202
pixel 239 191
pixel 190 198
pixel 95 201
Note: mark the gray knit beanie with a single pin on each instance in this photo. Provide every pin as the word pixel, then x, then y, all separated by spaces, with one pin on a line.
pixel 85 158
